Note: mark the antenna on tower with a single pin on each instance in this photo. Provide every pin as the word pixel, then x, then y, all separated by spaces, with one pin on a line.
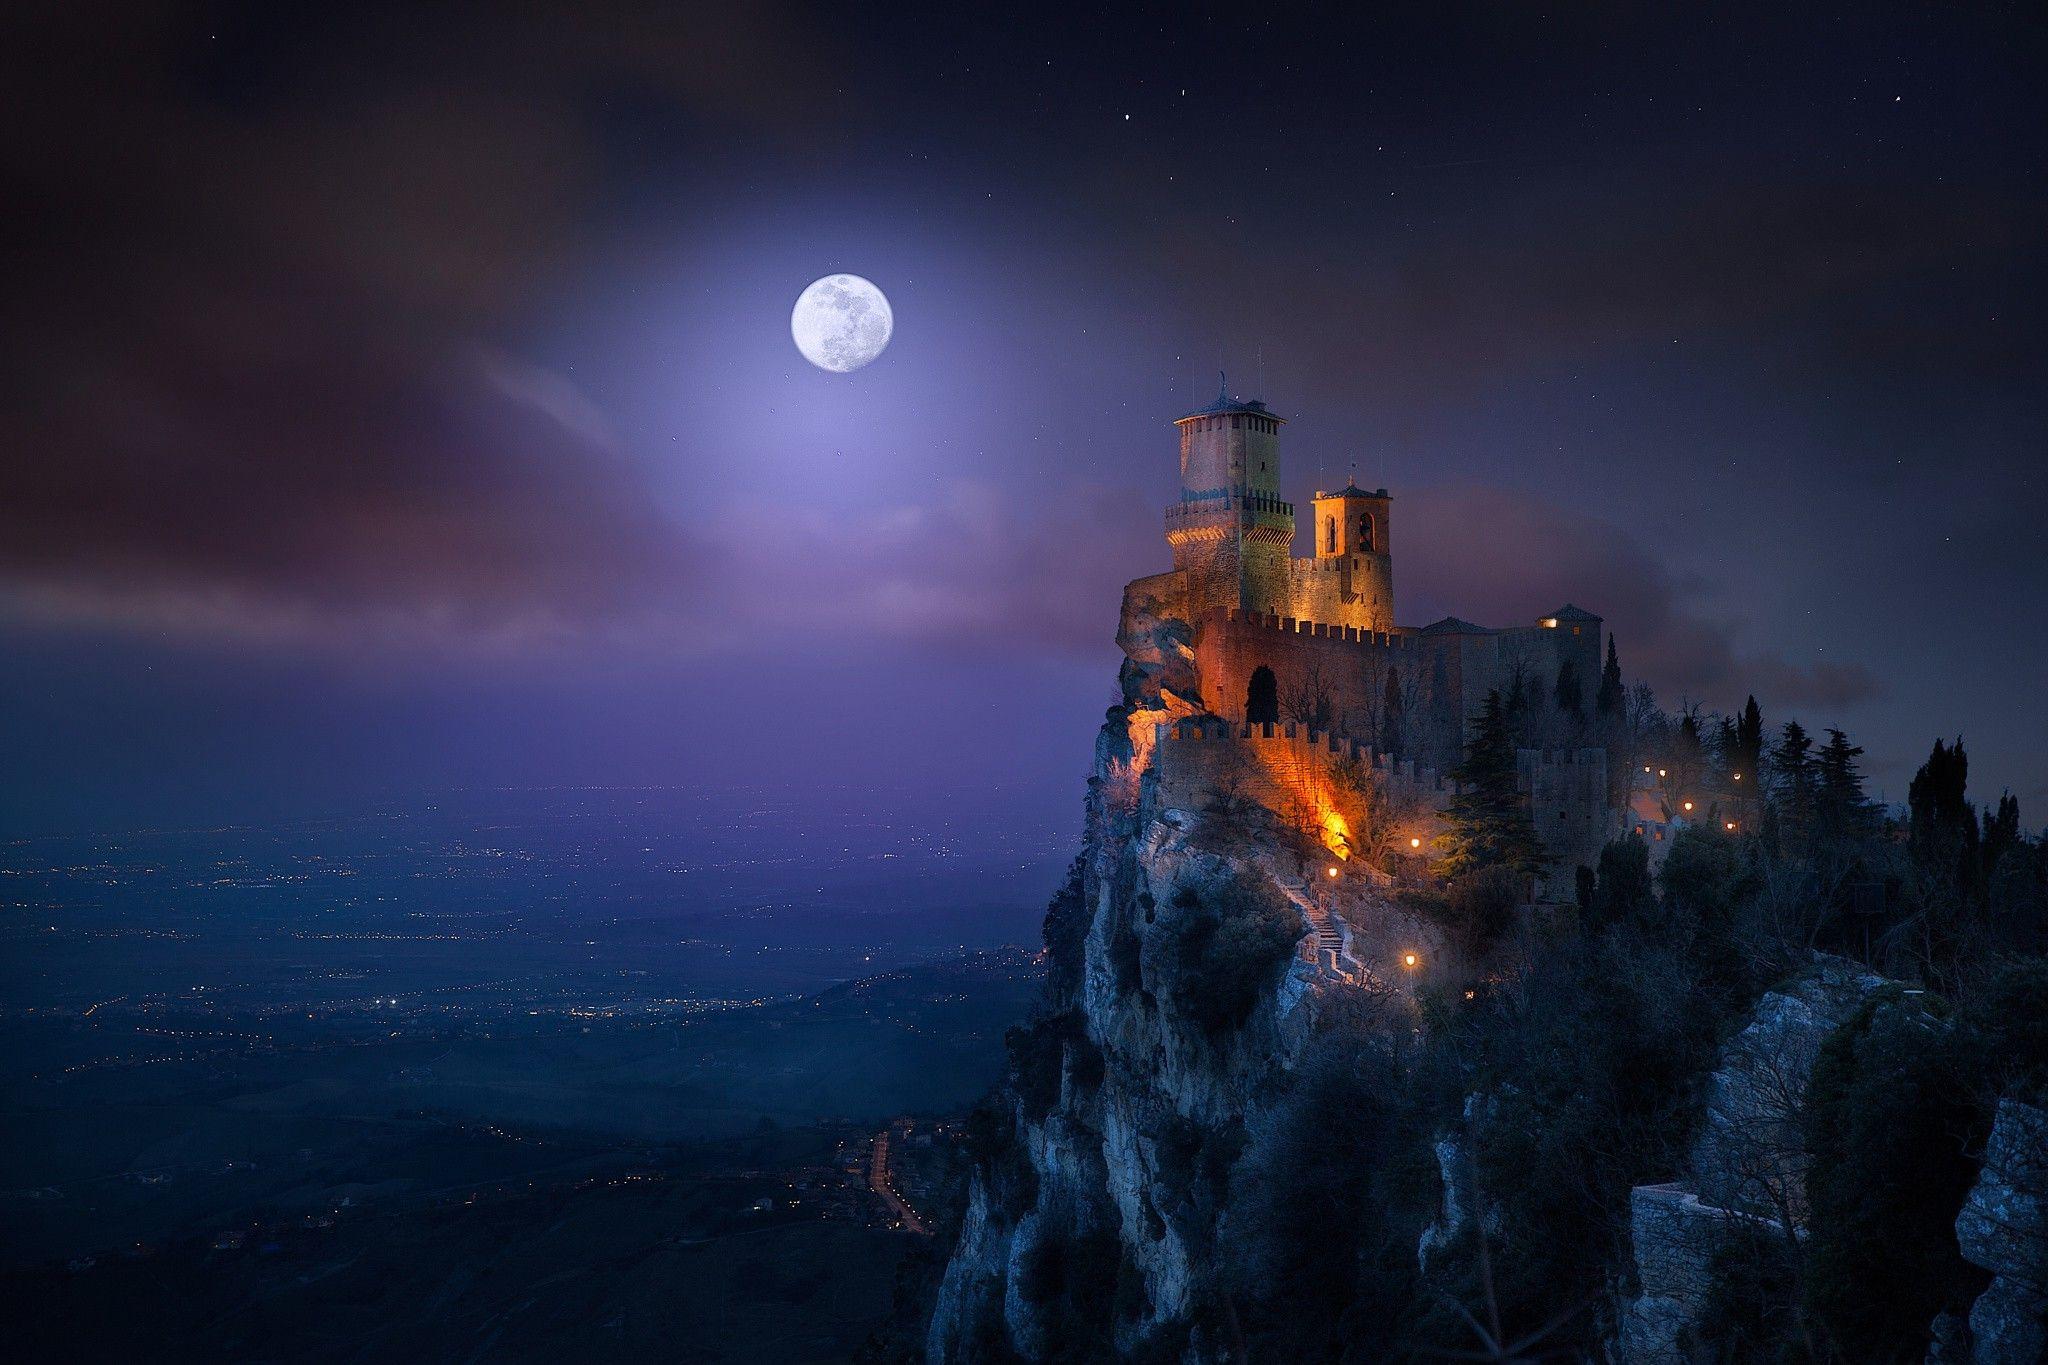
pixel 1262 369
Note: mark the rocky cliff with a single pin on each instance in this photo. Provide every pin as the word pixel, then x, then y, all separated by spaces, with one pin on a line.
pixel 1270 1110
pixel 1195 954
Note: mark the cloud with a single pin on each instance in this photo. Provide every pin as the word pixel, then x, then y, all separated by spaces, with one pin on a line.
pixel 1499 557
pixel 260 361
pixel 976 566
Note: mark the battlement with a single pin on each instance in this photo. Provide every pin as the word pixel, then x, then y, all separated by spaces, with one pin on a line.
pixel 1316 630
pixel 1286 733
pixel 1330 564
pixel 1315 780
pixel 1210 501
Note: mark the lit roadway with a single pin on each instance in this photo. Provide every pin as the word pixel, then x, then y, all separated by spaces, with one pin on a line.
pixel 878 1181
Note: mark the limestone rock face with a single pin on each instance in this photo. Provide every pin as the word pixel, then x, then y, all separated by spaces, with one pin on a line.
pixel 1158 646
pixel 2004 1228
pixel 1124 1180
pixel 1747 1172
pixel 1117 1164
pixel 1749 1155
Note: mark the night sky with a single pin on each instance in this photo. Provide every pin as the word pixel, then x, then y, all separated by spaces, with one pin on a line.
pixel 403 400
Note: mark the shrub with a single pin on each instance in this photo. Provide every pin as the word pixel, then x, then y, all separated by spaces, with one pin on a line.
pixel 1228 949
pixel 1319 1214
pixel 1889 1121
pixel 1125 953
pixel 1622 890
pixel 1037 1053
pixel 1075 1280
pixel 1480 908
pixel 1066 934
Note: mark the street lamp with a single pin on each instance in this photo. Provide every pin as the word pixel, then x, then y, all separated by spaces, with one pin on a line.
pixel 1407 959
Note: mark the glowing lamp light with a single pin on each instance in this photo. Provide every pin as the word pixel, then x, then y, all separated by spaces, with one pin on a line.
pixel 1415 843
pixel 1729 826
pixel 1661 772
pixel 1738 777
pixel 1407 959
pixel 1550 623
pixel 1688 805
pixel 1331 871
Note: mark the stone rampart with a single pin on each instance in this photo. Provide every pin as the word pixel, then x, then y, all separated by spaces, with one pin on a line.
pixel 1310 778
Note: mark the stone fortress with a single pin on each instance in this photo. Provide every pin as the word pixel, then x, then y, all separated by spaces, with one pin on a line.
pixel 1299 663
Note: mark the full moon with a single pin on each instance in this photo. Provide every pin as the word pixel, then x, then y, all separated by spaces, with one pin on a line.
pixel 841 322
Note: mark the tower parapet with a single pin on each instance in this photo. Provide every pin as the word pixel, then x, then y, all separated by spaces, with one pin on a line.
pixel 1231 530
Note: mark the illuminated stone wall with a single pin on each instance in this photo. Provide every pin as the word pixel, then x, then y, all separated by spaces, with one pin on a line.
pixel 1444 674
pixel 1293 772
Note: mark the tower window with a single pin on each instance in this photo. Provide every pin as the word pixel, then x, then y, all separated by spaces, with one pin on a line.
pixel 1329 535
pixel 1365 530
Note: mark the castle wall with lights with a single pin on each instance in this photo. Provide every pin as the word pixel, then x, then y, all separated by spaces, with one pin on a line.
pixel 1311 642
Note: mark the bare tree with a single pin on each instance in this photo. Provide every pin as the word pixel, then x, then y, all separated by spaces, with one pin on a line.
pixel 1309 700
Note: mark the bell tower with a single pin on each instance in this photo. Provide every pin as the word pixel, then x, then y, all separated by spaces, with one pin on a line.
pixel 1230 531
pixel 1352 529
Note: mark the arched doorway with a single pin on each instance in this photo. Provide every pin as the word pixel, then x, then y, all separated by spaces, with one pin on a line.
pixel 1262 698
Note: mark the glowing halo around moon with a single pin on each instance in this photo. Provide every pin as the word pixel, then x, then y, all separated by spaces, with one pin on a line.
pixel 841 322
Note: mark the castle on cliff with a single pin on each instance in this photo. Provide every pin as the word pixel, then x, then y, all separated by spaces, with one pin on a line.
pixel 1307 651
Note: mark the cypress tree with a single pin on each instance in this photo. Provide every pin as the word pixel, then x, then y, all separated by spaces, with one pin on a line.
pixel 1608 700
pixel 1749 743
pixel 1843 809
pixel 1489 825
pixel 2001 830
pixel 1795 786
pixel 1571 696
pixel 1942 826
pixel 1392 721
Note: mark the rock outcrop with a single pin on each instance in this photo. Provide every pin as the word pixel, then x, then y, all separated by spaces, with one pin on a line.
pixel 1106 1188
pixel 2004 1228
pixel 1746 1176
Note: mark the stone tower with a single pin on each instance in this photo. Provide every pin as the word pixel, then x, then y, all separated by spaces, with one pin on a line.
pixel 1230 531
pixel 1354 579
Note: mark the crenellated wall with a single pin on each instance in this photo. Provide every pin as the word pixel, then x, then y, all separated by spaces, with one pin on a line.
pixel 1443 673
pixel 1308 777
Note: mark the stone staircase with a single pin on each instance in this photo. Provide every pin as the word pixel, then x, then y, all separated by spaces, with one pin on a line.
pixel 1326 947
pixel 1329 939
